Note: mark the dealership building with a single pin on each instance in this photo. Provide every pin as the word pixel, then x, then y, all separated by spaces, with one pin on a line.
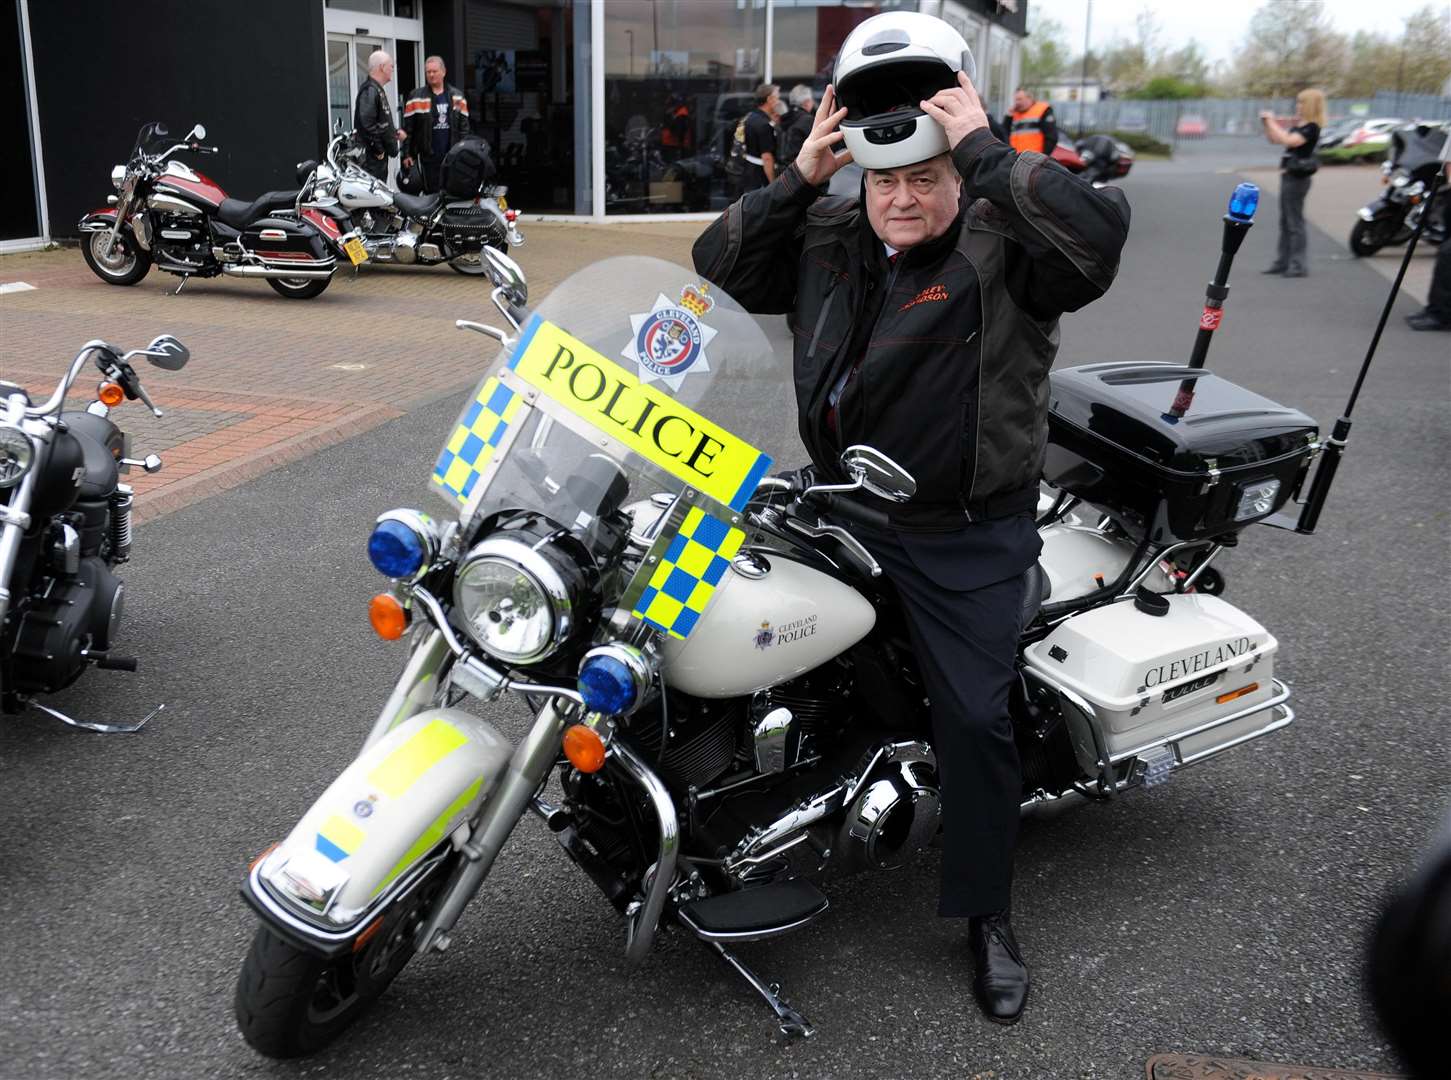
pixel 596 109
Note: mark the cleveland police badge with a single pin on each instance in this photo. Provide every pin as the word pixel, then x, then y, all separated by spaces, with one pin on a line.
pixel 669 340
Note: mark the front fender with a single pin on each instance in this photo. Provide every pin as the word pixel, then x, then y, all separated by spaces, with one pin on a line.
pixel 375 823
pixel 98 221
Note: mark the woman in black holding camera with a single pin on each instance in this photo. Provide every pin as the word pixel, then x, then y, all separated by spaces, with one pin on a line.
pixel 1297 164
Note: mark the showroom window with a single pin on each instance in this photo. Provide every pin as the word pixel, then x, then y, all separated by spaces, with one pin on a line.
pixel 678 76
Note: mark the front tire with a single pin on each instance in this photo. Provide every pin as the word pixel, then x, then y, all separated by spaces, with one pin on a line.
pixel 125 265
pixel 299 288
pixel 1368 237
pixel 290 1002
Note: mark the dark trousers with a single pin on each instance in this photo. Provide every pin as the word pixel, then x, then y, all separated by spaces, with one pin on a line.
pixel 1293 190
pixel 431 170
pixel 376 166
pixel 1439 302
pixel 966 642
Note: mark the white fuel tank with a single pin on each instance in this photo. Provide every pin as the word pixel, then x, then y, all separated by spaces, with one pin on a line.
pixel 363 194
pixel 762 630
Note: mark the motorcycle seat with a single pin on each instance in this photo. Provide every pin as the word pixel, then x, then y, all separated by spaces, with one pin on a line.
pixel 239 214
pixel 1036 592
pixel 416 206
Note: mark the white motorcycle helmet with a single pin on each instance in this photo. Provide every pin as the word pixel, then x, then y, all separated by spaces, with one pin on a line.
pixel 888 65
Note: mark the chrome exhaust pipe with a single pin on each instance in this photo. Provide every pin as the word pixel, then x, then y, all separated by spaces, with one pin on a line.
pixel 269 272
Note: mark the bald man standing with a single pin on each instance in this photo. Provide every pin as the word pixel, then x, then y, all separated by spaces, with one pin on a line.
pixel 373 117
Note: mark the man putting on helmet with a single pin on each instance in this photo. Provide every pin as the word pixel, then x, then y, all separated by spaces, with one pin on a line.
pixel 925 319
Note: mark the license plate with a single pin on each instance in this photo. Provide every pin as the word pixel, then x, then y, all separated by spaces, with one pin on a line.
pixel 1189 687
pixel 503 203
pixel 356 252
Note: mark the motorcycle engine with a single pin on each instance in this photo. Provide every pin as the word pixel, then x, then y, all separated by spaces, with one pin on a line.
pixel 468 227
pixel 72 613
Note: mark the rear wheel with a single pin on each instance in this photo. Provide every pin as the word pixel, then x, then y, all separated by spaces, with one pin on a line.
pixel 299 288
pixel 473 265
pixel 124 264
pixel 291 1002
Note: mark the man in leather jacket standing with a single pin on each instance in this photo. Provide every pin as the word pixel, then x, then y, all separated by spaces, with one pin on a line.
pixel 925 320
pixel 436 115
pixel 373 117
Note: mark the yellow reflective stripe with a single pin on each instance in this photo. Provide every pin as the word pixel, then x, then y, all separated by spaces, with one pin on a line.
pixel 401 769
pixel 431 836
pixel 340 831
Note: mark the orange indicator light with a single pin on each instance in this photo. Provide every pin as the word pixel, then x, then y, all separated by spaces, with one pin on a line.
pixel 584 748
pixel 388 616
pixel 110 394
pixel 367 935
pixel 1241 692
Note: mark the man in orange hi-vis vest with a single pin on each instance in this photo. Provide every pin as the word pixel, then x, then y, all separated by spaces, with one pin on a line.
pixel 1031 125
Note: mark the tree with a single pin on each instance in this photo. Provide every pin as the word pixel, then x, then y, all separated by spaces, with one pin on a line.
pixel 1045 56
pixel 1417 61
pixel 1288 48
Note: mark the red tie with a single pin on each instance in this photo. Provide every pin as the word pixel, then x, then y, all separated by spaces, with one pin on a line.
pixel 831 409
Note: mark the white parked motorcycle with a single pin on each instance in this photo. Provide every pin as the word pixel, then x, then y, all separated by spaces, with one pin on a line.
pixel 720 681
pixel 397 227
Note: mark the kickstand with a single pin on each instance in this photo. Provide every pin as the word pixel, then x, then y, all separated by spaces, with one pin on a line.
pixel 96 725
pixel 184 279
pixel 791 1021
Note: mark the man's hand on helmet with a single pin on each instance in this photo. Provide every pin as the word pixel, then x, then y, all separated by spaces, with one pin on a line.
pixel 817 161
pixel 958 110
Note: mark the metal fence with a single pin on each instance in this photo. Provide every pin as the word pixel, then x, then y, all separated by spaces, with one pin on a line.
pixel 1173 120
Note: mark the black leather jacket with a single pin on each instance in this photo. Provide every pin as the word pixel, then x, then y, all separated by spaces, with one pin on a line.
pixel 418 119
pixel 373 121
pixel 950 347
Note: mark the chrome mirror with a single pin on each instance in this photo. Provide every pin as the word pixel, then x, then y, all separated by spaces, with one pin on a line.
pixel 167 352
pixel 506 274
pixel 878 473
pixel 197 132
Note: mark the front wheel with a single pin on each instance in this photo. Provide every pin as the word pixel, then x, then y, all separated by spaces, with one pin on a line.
pixel 125 264
pixel 291 1002
pixel 1368 237
pixel 299 288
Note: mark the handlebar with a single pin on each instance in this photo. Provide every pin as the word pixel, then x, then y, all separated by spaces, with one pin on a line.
pixel 843 507
pixel 54 401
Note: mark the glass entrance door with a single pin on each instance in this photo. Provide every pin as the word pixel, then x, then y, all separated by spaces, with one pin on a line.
pixel 347 68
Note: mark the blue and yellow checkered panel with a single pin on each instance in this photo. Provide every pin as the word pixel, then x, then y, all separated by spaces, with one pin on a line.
pixel 472 443
pixel 688 574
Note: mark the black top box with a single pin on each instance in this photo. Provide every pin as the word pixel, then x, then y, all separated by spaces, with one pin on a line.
pixel 1167 464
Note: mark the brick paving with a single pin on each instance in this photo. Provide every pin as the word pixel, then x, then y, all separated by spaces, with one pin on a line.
pixel 272 380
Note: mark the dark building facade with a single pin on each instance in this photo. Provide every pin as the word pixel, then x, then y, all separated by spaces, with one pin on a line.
pixel 595 108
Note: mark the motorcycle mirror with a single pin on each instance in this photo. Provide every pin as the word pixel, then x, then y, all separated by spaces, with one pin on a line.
pixel 878 473
pixel 507 275
pixel 161 131
pixel 197 132
pixel 167 352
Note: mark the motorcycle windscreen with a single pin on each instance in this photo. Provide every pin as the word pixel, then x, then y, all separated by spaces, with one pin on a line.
pixel 604 400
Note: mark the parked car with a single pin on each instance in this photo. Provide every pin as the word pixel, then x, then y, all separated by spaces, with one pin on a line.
pixel 1334 133
pixel 1191 127
pixel 1369 141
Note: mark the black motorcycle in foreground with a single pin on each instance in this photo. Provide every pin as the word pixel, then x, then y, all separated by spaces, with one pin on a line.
pixel 1389 220
pixel 170 215
pixel 65 525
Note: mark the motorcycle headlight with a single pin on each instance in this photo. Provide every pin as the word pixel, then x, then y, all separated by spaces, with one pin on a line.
pixel 1400 180
pixel 1417 188
pixel 117 175
pixel 521 598
pixel 17 454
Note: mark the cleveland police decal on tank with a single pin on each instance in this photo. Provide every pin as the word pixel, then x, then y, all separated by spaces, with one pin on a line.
pixel 669 340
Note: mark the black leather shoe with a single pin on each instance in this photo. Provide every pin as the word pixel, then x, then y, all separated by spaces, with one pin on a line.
pixel 1277 269
pixel 1000 976
pixel 1424 320
pixel 1296 273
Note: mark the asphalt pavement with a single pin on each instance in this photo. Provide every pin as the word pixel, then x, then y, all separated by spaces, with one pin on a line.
pixel 1224 912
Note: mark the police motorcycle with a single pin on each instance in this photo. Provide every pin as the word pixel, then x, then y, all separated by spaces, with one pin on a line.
pixel 65 526
pixel 1408 175
pixel 451 226
pixel 724 693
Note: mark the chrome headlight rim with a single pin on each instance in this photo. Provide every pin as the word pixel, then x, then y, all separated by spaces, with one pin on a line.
pixel 17 455
pixel 548 580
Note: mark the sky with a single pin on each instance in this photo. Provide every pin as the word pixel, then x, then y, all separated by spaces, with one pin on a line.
pixel 1219 33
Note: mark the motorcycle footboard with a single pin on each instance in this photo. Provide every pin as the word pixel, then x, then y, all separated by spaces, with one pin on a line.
pixel 378 829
